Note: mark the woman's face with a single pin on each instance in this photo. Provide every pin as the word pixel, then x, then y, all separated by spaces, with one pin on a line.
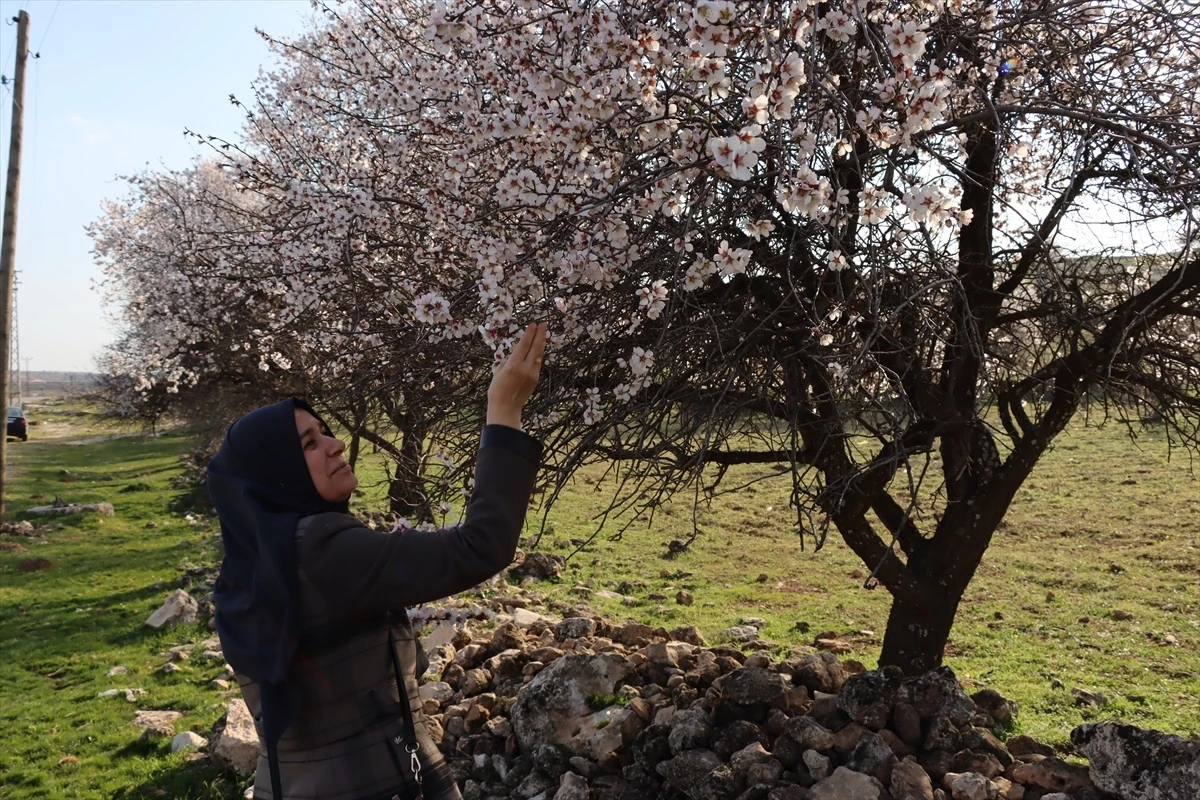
pixel 331 475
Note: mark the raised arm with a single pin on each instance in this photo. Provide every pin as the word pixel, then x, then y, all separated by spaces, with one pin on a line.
pixel 365 572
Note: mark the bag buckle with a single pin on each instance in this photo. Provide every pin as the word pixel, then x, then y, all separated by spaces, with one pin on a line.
pixel 414 762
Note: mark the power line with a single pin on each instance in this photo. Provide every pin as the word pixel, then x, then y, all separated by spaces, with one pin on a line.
pixel 46 33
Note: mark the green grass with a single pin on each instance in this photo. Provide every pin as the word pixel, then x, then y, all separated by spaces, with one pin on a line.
pixel 1101 525
pixel 63 628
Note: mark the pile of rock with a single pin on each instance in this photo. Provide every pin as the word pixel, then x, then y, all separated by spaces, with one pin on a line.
pixel 19 528
pixel 585 709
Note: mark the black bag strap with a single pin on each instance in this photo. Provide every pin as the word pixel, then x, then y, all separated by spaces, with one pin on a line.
pixel 273 766
pixel 409 736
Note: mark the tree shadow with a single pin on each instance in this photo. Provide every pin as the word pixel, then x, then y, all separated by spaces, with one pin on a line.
pixel 200 779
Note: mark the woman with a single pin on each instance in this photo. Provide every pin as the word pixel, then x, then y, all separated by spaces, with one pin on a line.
pixel 310 605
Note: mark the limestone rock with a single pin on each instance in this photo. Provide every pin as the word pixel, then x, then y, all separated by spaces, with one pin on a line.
pixel 820 672
pixel 938 693
pixel 868 698
pixel 606 732
pixel 437 693
pixel 524 618
pixel 764 772
pixel 509 636
pixel 156 724
pixel 907 723
pixel 981 740
pixel 817 764
pixel 910 781
pixel 740 633
pixel 689 634
pixel 737 737
pixel 103 509
pixel 690 729
pixel 971 786
pixel 668 654
pixel 541 566
pixel 178 609
pixel 1051 775
pixel 786 792
pixel 441 633
pixel 572 787
pixel 475 682
pixel 748 693
pixel 235 740
pixel 553 706
pixel 1137 764
pixel 635 634
pixel 845 784
pixel 188 741
pixel 1023 745
pixel 699 775
pixel 534 785
pixel 1084 698
pixel 984 764
pixel 871 756
pixel 800 736
pixel 574 628
pixel 1001 710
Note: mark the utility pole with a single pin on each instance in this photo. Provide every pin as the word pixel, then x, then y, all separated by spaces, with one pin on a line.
pixel 8 246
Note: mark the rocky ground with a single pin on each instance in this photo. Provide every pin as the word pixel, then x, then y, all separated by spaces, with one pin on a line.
pixel 574 706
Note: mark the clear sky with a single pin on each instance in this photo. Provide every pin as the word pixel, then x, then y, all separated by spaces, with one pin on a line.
pixel 116 84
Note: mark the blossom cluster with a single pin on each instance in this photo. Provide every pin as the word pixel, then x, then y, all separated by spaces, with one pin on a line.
pixel 420 179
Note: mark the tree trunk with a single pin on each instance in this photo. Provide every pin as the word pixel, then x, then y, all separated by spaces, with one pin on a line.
pixel 406 491
pixel 406 499
pixel 360 420
pixel 355 443
pixel 916 633
pixel 919 621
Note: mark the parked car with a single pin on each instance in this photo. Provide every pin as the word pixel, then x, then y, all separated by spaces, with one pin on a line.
pixel 18 426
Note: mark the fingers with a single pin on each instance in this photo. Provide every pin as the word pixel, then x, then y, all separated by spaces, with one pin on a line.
pixel 525 343
pixel 537 349
pixel 531 347
pixel 513 383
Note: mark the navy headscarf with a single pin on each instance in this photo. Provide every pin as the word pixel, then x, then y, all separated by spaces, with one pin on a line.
pixel 261 487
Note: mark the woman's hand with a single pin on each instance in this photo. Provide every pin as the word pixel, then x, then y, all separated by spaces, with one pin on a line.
pixel 515 379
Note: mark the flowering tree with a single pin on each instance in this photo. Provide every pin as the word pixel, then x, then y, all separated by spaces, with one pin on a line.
pixel 217 319
pixel 868 240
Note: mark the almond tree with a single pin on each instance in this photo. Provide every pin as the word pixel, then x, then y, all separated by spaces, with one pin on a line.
pixel 869 240
pixel 217 318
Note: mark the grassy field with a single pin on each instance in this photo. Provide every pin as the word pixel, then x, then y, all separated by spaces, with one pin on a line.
pixel 80 611
pixel 1102 525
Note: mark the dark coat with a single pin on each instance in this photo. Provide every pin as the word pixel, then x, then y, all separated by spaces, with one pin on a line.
pixel 352 582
